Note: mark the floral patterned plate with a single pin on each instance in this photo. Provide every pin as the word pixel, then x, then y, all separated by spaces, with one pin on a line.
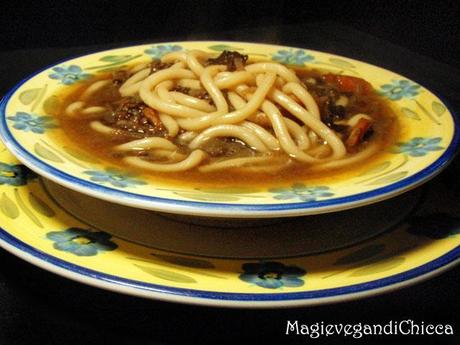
pixel 428 140
pixel 418 237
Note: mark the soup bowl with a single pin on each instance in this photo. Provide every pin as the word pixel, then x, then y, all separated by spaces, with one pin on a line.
pixel 427 141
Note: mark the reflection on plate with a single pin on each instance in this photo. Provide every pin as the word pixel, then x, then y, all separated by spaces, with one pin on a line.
pixel 427 142
pixel 235 238
pixel 420 243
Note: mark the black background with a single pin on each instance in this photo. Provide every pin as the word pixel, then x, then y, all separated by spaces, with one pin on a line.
pixel 415 38
pixel 430 28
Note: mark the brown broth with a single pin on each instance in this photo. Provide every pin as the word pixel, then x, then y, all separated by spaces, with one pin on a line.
pixel 79 135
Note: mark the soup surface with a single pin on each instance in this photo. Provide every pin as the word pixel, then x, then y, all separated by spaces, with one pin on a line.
pixel 306 125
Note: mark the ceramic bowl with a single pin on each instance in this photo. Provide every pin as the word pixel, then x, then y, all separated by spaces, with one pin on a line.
pixel 428 140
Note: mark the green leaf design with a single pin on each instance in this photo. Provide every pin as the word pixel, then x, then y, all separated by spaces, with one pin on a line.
pixel 222 47
pixel 52 105
pixel 389 178
pixel 166 275
pixel 427 113
pixel 194 270
pixel 114 58
pixel 362 254
pixel 26 97
pixel 341 63
pixel 336 67
pixel 8 207
pixel 80 155
pixel 207 196
pixel 376 168
pixel 256 54
pixel 47 154
pixel 40 206
pixel 111 69
pixel 379 267
pixel 410 113
pixel 183 261
pixel 438 108
pixel 26 210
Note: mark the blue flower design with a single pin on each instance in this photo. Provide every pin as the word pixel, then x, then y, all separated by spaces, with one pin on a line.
pixel 15 174
pixel 293 57
pixel 81 242
pixel 158 51
pixel 69 75
pixel 418 147
pixel 32 122
pixel 272 275
pixel 399 89
pixel 302 192
pixel 114 177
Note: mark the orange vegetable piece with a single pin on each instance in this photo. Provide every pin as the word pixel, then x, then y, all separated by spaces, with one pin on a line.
pixel 357 133
pixel 347 83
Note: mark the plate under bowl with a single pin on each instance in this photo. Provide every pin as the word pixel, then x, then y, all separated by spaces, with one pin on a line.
pixel 428 141
pixel 352 254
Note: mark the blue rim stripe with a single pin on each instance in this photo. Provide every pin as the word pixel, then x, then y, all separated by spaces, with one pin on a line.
pixel 116 194
pixel 431 266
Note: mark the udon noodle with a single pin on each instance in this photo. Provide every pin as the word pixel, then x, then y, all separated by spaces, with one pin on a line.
pixel 192 111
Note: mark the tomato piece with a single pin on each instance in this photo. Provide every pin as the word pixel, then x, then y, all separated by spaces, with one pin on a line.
pixel 330 78
pixel 357 133
pixel 346 83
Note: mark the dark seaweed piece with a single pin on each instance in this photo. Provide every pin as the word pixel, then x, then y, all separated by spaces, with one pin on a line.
pixel 119 77
pixel 181 89
pixel 157 65
pixel 234 60
pixel 332 112
pixel 368 134
pixel 201 94
pixel 227 147
pixel 339 128
pixel 136 119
